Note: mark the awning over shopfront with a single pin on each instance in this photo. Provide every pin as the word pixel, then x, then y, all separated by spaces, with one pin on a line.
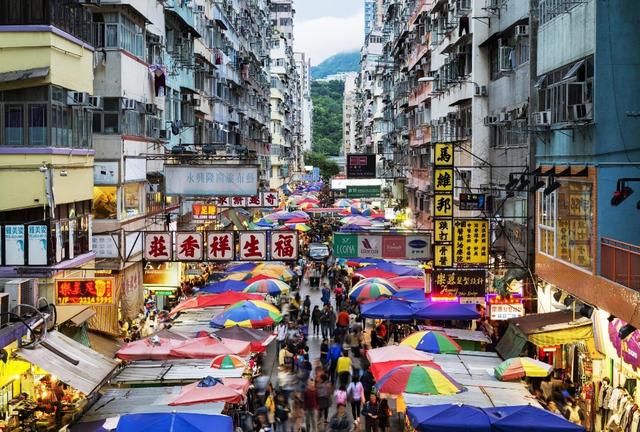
pixel 547 329
pixel 24 74
pixel 79 366
pixel 76 315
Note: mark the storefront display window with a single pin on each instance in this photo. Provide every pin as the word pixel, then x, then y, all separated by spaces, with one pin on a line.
pixel 132 202
pixel 565 223
pixel 105 202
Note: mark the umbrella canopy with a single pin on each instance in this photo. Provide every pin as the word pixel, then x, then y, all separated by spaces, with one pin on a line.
pixel 279 215
pixel 388 308
pixel 413 296
pixel 432 341
pixel 396 352
pixel 526 418
pixel 152 348
pixel 356 220
pixel 448 417
pixel 378 370
pixel 309 201
pixel 520 367
pixel 228 361
pixel 399 270
pixel 272 287
pixel 371 290
pixel 354 262
pixel 447 311
pixel 237 276
pixel 248 313
pixel 224 286
pixel 209 347
pixel 409 282
pixel 207 391
pixel 214 300
pixel 343 203
pixel 301 227
pixel 174 422
pixel 244 267
pixel 265 223
pixel 352 228
pixel 259 339
pixel 418 379
pixel 374 272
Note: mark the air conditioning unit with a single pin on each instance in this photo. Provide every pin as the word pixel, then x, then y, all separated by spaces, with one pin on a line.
pixel 165 134
pixel 483 91
pixel 128 104
pixel 195 101
pixel 211 23
pixel 4 309
pixel 522 30
pixel 186 97
pixel 77 98
pixel 542 118
pixel 580 112
pixel 490 120
pixel 154 39
pixel 22 291
pixel 503 117
pixel 151 108
pixel 97 102
pixel 199 9
pixel 451 116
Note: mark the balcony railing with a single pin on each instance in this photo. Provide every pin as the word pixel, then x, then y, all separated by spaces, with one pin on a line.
pixel 620 262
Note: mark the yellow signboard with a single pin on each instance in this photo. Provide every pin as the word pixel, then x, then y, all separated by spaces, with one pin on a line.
pixel 471 241
pixel 443 180
pixel 443 205
pixel 443 156
pixel 443 255
pixel 443 230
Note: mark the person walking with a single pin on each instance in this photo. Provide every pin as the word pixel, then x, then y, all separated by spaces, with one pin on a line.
pixel 332 321
pixel 335 352
pixel 340 421
pixel 324 397
pixel 282 413
pixel 315 320
pixel 281 337
pixel 326 294
pixel 311 407
pixel 355 396
pixel 384 414
pixel 370 412
pixel 343 368
pixel 325 321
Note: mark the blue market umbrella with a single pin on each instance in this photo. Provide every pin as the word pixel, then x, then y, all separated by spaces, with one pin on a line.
pixel 391 309
pixel 444 311
pixel 224 286
pixel 174 422
pixel 352 228
pixel 400 270
pixel 448 417
pixel 245 267
pixel 526 418
pixel 413 296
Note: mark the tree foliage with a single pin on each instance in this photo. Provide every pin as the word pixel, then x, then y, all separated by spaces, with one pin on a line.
pixel 327 116
pixel 328 168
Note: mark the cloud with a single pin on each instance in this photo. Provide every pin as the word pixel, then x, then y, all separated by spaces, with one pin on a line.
pixel 321 38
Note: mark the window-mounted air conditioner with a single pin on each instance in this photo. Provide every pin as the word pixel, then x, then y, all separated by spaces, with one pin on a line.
pixel 522 30
pixel 77 98
pixel 128 104
pixel 542 118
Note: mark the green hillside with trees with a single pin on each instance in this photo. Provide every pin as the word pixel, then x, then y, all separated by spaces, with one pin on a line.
pixel 327 116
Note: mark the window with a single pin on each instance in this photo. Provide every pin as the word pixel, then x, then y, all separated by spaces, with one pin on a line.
pixel 107 121
pixel 14 125
pixel 133 123
pixel 37 125
pixel 522 51
pixel 105 202
pixel 132 202
pixel 550 9
pixel 565 223
pixel 114 30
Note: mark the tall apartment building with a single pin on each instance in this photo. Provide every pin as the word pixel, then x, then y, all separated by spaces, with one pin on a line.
pixel 282 14
pixel 348 114
pixel 305 104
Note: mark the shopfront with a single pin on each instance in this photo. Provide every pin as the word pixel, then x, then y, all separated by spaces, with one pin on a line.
pixel 161 281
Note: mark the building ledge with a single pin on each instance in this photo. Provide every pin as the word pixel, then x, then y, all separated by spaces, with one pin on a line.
pixel 46 150
pixel 45 28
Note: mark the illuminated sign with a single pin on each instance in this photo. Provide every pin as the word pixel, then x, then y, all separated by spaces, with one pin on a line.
pixel 471 241
pixel 92 292
pixel 458 283
pixel 361 166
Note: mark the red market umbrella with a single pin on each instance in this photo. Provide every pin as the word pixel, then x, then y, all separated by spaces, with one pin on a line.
pixel 409 282
pixel 208 390
pixel 378 370
pixel 153 348
pixel 259 339
pixel 209 347
pixel 258 278
pixel 214 300
pixel 376 273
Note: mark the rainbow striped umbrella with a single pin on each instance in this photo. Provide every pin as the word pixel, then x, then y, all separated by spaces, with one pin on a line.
pixel 367 290
pixel 418 379
pixel 248 313
pixel 377 280
pixel 432 341
pixel 520 367
pixel 228 361
pixel 267 286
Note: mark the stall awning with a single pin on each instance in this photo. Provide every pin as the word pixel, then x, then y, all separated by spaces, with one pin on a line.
pixel 24 74
pixel 75 314
pixel 547 329
pixel 79 366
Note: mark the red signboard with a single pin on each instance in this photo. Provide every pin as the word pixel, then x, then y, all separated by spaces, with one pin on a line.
pixel 394 246
pixel 98 291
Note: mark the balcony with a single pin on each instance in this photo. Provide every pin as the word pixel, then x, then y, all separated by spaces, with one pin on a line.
pixel 420 136
pixel 420 50
pixel 420 94
pixel 620 263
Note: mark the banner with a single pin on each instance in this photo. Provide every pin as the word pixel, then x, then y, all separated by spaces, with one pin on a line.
pixel 14 249
pixel 471 241
pixel 371 191
pixel 361 166
pixel 37 240
pixel 284 246
pixel 203 211
pixel 211 180
pixel 263 199
pixel 458 283
pixel 253 246
pixel 443 183
pixel 381 245
pixel 91 292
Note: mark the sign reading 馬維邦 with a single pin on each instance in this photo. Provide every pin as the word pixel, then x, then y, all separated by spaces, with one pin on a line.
pixel 94 292
pixel 211 180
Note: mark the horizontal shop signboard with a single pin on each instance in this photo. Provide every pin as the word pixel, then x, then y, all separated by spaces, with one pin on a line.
pixel 93 291
pixel 211 180
pixel 458 283
pixel 361 166
pixel 363 191
pixel 394 246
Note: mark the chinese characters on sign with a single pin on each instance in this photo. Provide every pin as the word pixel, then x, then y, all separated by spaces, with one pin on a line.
pixel 361 166
pixel 471 241
pixel 189 246
pixel 284 246
pixel 264 199
pixel 158 246
pixel 220 246
pixel 106 246
pixel 443 161
pixel 253 246
pixel 201 210
pixel 37 240
pixel 506 311
pixel 469 201
pixel 212 180
pixel 458 283
pixel 93 292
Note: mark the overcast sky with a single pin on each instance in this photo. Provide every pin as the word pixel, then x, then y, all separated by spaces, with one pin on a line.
pixel 326 27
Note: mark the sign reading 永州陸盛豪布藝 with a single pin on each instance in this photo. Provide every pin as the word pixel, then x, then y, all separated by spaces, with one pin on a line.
pixel 211 180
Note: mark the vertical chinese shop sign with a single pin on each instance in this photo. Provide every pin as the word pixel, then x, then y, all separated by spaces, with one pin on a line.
pixel 443 162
